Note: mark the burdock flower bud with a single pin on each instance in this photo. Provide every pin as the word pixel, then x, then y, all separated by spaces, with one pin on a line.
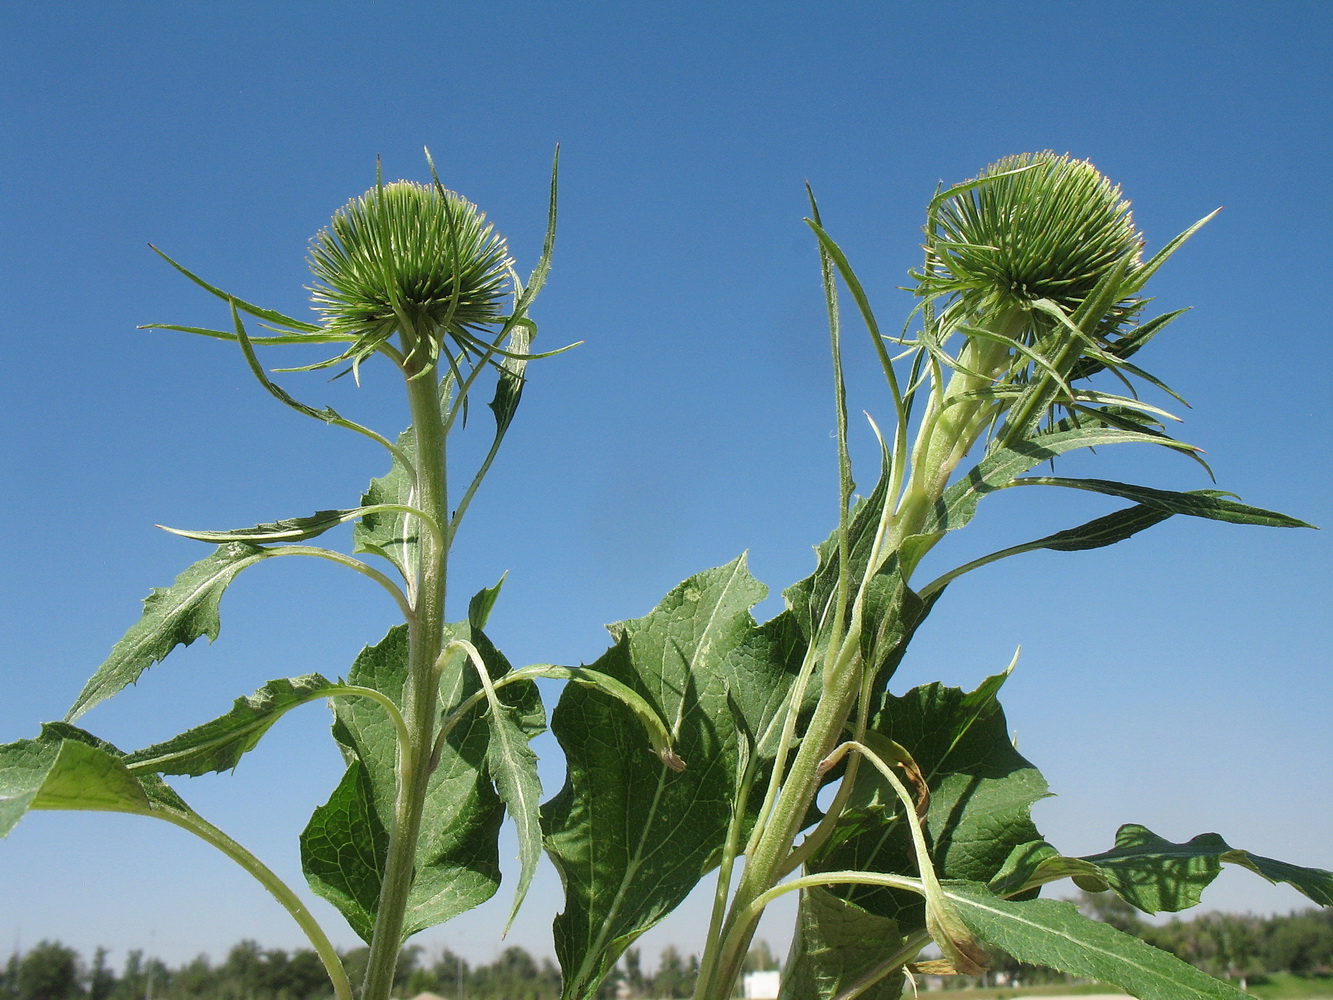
pixel 415 260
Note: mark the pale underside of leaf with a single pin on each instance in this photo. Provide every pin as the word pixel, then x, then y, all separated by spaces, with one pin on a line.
pixel 1055 935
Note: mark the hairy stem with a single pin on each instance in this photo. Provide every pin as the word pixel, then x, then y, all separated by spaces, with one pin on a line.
pixel 421 693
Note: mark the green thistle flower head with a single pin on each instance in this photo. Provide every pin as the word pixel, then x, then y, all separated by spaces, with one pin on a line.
pixel 411 259
pixel 1030 227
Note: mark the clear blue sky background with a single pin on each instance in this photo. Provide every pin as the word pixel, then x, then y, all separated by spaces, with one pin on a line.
pixel 1181 680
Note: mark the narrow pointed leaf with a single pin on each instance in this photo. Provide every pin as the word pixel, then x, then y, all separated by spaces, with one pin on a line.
pixel 267 315
pixel 997 470
pixel 509 386
pixel 1055 935
pixel 292 529
pixel 172 616
pixel 1094 534
pixel 219 745
pixel 513 768
pixel 483 601
pixel 1195 503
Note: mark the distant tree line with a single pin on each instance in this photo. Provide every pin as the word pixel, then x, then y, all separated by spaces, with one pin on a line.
pixel 1226 945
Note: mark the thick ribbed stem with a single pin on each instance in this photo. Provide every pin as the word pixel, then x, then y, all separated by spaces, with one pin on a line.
pixel 421 694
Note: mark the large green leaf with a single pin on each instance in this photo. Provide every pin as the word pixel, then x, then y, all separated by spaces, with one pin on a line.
pixel 172 616
pixel 391 534
pixel 981 794
pixel 629 836
pixel 1153 873
pixel 218 745
pixel 837 946
pixel 1054 934
pixel 457 865
pixel 67 768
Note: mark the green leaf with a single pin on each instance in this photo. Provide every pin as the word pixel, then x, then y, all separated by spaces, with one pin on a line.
pixel 1196 503
pixel 629 836
pixel 838 946
pixel 391 534
pixel 509 386
pixel 292 529
pixel 659 737
pixel 67 768
pixel 219 745
pixel 1054 934
pixel 1154 874
pixel 482 603
pixel 267 315
pixel 343 848
pixel 997 470
pixel 981 794
pixel 513 768
pixel 172 616
pixel 457 863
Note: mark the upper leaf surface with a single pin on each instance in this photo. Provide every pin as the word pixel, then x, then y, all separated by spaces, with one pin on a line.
pixel 172 616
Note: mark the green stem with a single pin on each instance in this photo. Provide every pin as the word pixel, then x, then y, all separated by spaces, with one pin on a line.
pixel 767 864
pixel 328 955
pixel 421 692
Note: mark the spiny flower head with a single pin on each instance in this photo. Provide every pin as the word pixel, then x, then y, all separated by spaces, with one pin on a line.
pixel 411 259
pixel 1030 227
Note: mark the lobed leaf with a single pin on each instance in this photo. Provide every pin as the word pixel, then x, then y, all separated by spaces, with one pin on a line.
pixel 172 616
pixel 67 768
pixel 513 768
pixel 981 794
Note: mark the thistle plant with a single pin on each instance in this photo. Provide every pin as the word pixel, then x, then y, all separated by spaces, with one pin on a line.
pixel 775 756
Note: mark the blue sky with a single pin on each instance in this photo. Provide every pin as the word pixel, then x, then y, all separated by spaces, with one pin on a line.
pixel 1180 680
